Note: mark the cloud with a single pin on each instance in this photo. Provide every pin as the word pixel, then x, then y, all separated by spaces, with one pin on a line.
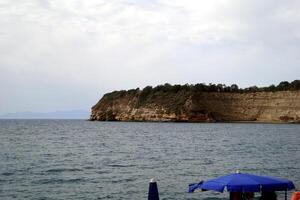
pixel 67 53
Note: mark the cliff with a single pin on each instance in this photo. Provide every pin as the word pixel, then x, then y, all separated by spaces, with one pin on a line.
pixel 198 106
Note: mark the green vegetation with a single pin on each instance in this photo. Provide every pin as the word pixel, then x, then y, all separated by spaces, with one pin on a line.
pixel 202 87
pixel 160 91
pixel 119 94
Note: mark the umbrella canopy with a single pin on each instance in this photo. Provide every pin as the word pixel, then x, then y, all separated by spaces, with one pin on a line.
pixel 240 182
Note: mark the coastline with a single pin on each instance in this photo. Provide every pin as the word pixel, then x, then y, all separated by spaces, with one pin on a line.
pixel 200 122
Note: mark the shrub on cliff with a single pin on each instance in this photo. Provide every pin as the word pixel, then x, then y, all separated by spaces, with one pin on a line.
pixel 115 94
pixel 144 95
pixel 284 85
pixel 295 85
pixel 161 90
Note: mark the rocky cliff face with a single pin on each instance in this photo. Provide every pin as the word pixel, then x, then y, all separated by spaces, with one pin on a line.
pixel 280 106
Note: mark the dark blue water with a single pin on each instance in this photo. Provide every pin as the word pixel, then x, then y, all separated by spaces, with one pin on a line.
pixel 74 159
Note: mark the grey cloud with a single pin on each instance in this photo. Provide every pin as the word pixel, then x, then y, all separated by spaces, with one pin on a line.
pixel 66 54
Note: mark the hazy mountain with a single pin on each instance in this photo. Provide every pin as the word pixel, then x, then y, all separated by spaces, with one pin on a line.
pixel 70 114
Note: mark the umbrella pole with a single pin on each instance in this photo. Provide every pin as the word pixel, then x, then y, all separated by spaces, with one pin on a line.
pixel 285 195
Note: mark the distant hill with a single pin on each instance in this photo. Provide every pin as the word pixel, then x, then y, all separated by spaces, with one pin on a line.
pixel 70 114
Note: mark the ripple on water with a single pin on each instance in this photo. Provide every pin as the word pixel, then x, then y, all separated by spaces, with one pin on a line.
pixel 120 165
pixel 7 173
pixel 59 170
pixel 126 180
pixel 58 181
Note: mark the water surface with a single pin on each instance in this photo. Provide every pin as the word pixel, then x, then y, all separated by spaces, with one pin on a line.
pixel 77 159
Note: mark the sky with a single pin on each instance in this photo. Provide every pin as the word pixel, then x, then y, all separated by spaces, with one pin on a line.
pixel 65 54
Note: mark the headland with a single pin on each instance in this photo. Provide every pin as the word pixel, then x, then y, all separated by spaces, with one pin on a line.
pixel 202 103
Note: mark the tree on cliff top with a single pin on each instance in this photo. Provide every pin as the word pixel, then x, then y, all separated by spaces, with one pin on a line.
pixel 149 91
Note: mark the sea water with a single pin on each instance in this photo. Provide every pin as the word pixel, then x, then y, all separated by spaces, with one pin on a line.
pixel 78 159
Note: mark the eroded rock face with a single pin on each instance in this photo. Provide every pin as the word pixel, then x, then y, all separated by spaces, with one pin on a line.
pixel 281 106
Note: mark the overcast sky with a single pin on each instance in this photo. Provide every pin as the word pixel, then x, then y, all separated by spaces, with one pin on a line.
pixel 65 54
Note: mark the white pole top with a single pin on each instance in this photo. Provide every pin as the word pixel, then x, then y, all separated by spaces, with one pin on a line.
pixel 152 180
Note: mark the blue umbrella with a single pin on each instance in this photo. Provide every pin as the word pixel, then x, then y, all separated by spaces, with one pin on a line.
pixel 240 182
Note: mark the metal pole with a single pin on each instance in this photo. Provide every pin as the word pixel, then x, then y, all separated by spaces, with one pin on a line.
pixel 285 195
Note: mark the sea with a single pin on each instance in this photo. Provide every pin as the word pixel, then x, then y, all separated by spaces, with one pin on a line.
pixel 80 159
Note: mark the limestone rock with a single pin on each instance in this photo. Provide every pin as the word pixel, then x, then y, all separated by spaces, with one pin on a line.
pixel 185 106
